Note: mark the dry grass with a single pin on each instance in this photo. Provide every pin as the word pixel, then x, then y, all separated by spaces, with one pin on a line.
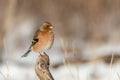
pixel 118 75
pixel 66 61
pixel 111 61
pixel 3 76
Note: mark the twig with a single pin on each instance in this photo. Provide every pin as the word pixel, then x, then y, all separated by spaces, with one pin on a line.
pixel 3 75
pixel 111 62
pixel 42 67
pixel 118 75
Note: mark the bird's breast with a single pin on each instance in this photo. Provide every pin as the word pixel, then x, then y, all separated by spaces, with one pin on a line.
pixel 45 41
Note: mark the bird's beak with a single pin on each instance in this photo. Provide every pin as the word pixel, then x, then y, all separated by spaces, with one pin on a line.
pixel 51 27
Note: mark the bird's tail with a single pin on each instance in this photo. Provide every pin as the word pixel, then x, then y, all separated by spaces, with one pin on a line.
pixel 26 54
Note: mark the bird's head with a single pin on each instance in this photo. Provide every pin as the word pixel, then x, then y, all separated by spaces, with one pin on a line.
pixel 46 26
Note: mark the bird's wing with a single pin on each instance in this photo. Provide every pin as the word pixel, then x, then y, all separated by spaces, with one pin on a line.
pixel 34 41
pixel 36 33
pixel 35 38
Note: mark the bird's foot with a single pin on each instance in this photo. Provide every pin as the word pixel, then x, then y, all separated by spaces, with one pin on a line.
pixel 42 53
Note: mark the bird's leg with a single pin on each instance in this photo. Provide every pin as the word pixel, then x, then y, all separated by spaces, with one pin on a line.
pixel 43 52
pixel 39 52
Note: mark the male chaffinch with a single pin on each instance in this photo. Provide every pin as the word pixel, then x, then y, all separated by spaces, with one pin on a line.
pixel 42 40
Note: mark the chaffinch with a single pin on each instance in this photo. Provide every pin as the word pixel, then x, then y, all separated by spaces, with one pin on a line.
pixel 42 40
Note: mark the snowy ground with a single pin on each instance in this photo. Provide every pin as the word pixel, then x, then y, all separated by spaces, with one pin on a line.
pixel 88 71
pixel 16 68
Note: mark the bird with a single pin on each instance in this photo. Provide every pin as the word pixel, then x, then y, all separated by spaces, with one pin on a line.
pixel 42 40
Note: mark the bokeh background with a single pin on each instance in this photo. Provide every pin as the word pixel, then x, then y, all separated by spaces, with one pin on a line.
pixel 87 38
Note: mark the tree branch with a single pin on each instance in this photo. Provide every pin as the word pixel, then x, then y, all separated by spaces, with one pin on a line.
pixel 42 67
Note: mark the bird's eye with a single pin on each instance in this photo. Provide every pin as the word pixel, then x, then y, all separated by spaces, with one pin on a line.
pixel 38 63
pixel 47 26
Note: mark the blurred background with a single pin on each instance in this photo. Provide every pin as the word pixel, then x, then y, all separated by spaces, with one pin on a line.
pixel 86 45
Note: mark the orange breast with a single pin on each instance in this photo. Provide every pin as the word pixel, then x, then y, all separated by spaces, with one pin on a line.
pixel 45 41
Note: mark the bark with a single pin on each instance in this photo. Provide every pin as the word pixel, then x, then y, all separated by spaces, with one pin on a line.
pixel 42 67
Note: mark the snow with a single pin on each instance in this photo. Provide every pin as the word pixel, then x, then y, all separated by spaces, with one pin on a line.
pixel 88 71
